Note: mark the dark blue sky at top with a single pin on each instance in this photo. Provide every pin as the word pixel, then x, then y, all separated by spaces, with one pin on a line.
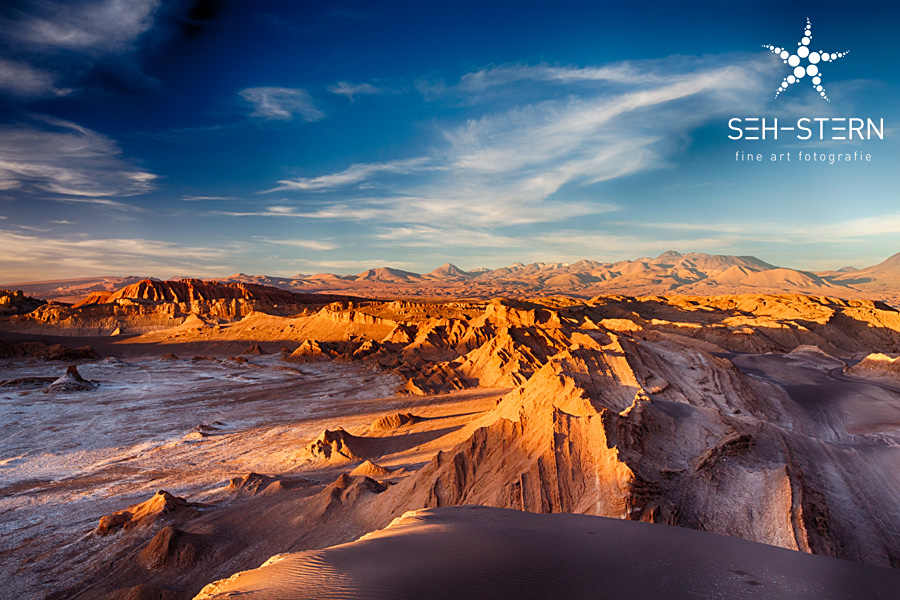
pixel 156 138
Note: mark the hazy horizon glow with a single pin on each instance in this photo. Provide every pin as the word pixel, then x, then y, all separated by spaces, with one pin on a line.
pixel 205 138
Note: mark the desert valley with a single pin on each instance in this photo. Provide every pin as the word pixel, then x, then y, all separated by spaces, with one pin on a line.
pixel 686 426
pixel 356 300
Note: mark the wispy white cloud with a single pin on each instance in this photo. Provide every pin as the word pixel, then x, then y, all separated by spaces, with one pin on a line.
pixel 506 75
pixel 862 227
pixel 90 27
pixel 347 265
pixel 336 212
pixel 24 81
pixel 281 103
pixel 69 161
pixel 352 90
pixel 202 198
pixel 354 174
pixel 56 256
pixel 425 236
pixel 840 231
pixel 318 245
pixel 576 244
pixel 681 226
pixel 528 82
pixel 520 165
pixel 598 137
pixel 410 209
pixel 124 206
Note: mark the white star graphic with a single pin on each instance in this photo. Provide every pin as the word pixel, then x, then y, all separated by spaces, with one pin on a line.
pixel 804 62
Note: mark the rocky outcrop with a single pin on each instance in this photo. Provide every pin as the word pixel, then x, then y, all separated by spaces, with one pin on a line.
pixel 150 305
pixel 394 421
pixel 346 490
pixel 877 366
pixel 188 291
pixel 763 323
pixel 255 350
pixel 162 504
pixel 502 343
pixel 371 469
pixel 17 303
pixel 255 483
pixel 312 351
pixel 337 447
pixel 172 548
pixel 72 381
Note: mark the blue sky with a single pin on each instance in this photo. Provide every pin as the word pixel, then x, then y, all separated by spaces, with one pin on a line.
pixel 205 138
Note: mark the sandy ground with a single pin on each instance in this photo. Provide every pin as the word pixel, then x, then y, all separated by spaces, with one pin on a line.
pixel 66 459
pixel 126 346
pixel 864 408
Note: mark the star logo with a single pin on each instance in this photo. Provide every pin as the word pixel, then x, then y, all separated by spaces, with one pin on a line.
pixel 804 63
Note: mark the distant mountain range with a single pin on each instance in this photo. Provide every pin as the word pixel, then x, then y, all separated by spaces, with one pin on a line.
pixel 669 273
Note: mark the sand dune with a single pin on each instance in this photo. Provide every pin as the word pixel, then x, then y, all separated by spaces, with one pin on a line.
pixel 477 552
